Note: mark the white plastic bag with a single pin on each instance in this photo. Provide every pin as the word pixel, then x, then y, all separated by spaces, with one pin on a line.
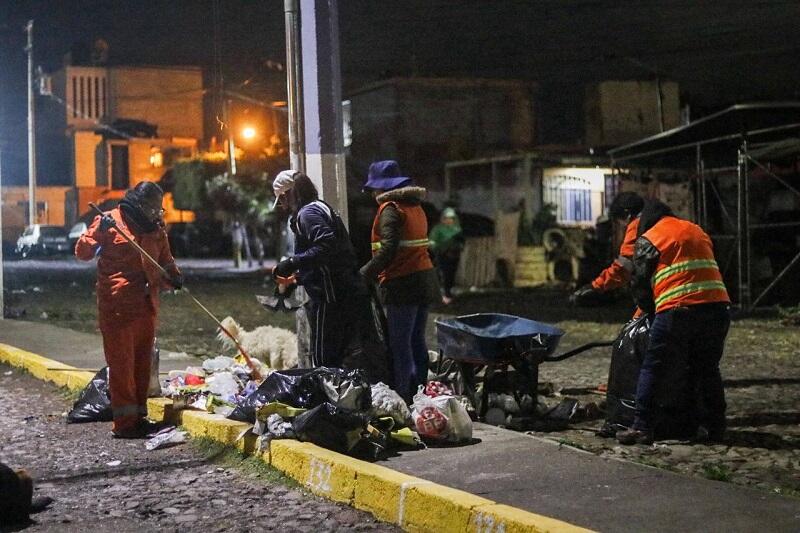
pixel 386 402
pixel 223 384
pixel 442 418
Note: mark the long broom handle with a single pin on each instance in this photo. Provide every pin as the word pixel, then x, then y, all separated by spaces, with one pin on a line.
pixel 256 373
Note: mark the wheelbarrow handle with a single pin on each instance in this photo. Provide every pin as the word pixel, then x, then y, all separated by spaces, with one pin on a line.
pixel 579 349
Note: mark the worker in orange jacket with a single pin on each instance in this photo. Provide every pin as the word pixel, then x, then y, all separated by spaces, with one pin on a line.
pixel 127 298
pixel 625 208
pixel 676 279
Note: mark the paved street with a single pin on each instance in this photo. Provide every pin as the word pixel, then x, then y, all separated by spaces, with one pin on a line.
pixel 106 485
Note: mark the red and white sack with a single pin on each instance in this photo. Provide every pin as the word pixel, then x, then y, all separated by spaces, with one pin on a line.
pixel 442 418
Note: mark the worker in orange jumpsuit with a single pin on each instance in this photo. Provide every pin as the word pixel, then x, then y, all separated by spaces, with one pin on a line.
pixel 625 208
pixel 127 298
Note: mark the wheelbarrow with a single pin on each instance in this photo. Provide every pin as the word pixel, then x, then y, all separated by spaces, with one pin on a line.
pixel 492 341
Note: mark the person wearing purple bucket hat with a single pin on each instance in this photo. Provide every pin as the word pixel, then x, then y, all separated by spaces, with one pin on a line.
pixel 403 269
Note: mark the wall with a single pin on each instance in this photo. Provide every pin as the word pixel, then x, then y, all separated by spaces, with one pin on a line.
pixel 424 122
pixel 170 97
pixel 618 112
pixel 85 157
pixel 15 202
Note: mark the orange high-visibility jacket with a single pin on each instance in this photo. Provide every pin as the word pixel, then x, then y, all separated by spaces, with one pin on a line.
pixel 412 252
pixel 619 272
pixel 676 258
pixel 127 284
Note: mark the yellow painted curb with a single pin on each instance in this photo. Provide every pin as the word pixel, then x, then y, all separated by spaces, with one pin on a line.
pixel 413 503
pixel 44 368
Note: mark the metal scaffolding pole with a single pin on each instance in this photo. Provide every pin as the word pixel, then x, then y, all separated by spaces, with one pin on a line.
pixel 743 226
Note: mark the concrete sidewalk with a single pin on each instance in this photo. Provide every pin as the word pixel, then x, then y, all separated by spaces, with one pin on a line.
pixel 503 468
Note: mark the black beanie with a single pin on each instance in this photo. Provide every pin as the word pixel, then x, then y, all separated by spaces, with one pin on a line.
pixel 626 203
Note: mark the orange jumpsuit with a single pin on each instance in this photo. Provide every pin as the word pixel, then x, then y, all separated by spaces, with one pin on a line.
pixel 127 303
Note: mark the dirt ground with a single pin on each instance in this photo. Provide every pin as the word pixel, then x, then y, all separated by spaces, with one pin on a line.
pixel 761 366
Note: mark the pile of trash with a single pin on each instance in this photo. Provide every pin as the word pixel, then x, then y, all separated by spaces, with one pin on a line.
pixel 331 407
pixel 217 386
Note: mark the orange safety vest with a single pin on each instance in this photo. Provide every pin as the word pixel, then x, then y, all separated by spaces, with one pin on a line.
pixel 412 254
pixel 687 273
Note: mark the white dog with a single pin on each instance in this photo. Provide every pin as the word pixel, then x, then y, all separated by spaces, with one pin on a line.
pixel 276 347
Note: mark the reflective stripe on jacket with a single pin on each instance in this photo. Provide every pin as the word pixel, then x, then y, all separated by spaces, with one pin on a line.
pixel 412 252
pixel 686 272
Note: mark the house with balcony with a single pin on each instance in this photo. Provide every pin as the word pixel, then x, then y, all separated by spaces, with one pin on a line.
pixel 103 129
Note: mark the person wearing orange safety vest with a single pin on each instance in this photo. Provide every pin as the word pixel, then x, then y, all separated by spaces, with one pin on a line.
pixel 625 208
pixel 402 266
pixel 127 298
pixel 676 279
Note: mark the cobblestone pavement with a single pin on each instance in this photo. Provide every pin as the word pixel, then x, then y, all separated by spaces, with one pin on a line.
pixel 762 386
pixel 102 484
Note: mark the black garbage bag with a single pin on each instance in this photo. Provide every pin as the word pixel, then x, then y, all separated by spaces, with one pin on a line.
pixel 369 350
pixel 307 388
pixel 675 405
pixel 626 359
pixel 332 427
pixel 94 403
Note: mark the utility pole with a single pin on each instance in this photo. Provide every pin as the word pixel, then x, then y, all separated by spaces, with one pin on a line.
pixel 31 135
pixel 322 101
pixel 2 302
pixel 294 85
pixel 231 146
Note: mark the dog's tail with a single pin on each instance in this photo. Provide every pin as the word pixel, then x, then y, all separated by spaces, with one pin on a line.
pixel 235 329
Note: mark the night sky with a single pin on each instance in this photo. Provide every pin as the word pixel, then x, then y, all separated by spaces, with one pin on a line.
pixel 720 52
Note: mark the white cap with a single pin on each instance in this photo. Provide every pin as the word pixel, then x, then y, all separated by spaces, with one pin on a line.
pixel 283 183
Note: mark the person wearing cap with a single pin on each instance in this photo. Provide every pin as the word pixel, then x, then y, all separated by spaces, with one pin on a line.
pixel 447 241
pixel 625 208
pixel 402 266
pixel 324 264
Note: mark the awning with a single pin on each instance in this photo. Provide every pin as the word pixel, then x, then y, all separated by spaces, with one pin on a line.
pixel 718 135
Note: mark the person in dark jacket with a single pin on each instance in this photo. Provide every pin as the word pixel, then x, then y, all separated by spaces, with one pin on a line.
pixel 324 264
pixel 402 266
pixel 676 279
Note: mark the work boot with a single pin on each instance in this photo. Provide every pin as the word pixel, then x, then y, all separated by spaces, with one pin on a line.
pixel 148 427
pixel 40 503
pixel 135 432
pixel 634 436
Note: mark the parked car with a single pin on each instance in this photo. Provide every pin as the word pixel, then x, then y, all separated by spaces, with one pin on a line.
pixel 42 239
pixel 75 233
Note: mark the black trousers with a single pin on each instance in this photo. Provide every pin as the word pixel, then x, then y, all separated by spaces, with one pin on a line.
pixel 692 336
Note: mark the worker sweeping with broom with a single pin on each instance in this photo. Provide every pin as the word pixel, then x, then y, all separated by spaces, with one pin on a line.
pixel 127 297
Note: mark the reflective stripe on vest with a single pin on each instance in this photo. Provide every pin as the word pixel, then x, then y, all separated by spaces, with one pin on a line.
pixel 688 288
pixel 404 244
pixel 684 266
pixel 687 273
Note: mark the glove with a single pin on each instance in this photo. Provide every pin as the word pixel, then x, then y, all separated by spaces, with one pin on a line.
pixel 284 269
pixel 581 293
pixel 176 281
pixel 106 222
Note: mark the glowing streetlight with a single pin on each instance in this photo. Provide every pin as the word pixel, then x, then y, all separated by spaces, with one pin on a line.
pixel 249 132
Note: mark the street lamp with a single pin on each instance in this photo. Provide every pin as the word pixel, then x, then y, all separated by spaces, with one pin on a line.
pixel 249 132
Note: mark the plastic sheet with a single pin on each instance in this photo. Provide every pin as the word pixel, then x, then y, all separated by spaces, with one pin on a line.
pixel 94 403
